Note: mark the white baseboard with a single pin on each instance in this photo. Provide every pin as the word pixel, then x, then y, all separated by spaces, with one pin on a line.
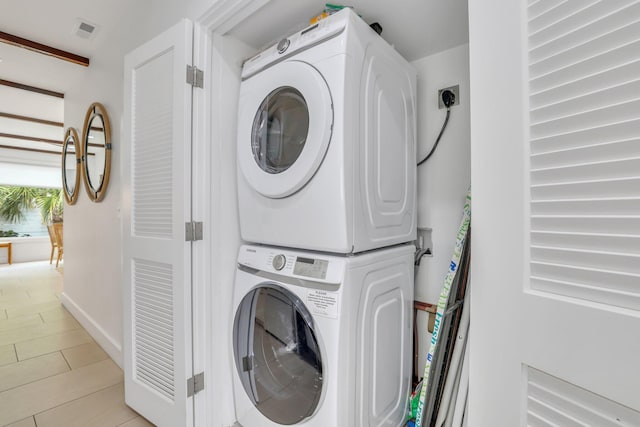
pixel 108 344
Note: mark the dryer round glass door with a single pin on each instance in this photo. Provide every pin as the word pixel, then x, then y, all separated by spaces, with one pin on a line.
pixel 277 354
pixel 285 120
pixel 280 130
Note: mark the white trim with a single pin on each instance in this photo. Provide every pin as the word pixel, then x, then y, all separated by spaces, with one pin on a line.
pixel 201 172
pixel 207 139
pixel 224 15
pixel 108 344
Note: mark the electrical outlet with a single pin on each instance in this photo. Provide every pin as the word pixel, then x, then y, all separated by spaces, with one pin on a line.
pixel 456 92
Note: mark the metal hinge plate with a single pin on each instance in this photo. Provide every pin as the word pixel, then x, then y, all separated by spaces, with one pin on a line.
pixel 192 231
pixel 195 384
pixel 195 76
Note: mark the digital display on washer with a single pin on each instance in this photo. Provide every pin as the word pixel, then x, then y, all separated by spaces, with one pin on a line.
pixel 308 267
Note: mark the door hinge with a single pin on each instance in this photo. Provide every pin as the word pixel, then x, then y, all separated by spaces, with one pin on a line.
pixel 195 76
pixel 195 384
pixel 192 231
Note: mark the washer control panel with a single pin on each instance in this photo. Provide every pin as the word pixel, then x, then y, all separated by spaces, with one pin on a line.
pixel 310 267
pixel 307 265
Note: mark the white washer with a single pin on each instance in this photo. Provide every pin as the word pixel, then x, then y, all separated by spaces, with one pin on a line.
pixel 322 340
pixel 326 141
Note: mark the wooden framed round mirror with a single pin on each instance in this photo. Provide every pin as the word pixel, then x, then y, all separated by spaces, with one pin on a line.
pixel 96 151
pixel 71 166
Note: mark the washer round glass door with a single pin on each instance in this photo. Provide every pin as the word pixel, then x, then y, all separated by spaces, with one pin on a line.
pixel 277 354
pixel 284 127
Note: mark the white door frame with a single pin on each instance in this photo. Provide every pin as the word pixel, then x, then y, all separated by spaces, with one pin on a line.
pixel 212 261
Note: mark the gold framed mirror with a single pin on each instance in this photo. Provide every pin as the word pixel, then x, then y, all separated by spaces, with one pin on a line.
pixel 71 156
pixel 96 151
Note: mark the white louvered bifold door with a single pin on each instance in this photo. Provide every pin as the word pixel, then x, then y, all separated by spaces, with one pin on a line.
pixel 556 227
pixel 585 151
pixel 156 205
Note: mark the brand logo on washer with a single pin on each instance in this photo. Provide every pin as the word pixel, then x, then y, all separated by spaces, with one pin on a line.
pixel 251 250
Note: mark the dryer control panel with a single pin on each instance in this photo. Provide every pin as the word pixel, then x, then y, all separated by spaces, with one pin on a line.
pixel 305 265
pixel 287 46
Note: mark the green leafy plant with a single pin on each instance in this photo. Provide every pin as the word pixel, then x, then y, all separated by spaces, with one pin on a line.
pixel 51 204
pixel 15 201
pixel 8 233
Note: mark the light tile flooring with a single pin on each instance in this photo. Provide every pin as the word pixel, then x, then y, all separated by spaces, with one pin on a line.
pixel 52 373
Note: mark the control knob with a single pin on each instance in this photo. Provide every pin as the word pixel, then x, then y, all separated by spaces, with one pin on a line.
pixel 283 45
pixel 279 262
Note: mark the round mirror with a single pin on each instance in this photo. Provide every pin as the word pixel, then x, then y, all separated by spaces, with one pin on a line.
pixel 70 170
pixel 96 151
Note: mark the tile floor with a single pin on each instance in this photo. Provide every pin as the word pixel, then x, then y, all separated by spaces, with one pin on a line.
pixel 52 373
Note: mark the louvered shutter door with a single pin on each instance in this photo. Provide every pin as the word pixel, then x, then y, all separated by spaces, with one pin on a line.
pixel 552 401
pixel 584 63
pixel 156 257
pixel 555 167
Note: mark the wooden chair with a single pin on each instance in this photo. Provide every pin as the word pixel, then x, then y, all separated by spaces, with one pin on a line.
pixel 8 246
pixel 54 243
pixel 57 228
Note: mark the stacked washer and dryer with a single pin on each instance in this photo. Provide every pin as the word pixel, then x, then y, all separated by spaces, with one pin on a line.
pixel 326 188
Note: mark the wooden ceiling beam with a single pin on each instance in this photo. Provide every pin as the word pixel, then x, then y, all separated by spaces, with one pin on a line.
pixel 31 119
pixel 29 138
pixel 37 139
pixel 31 88
pixel 33 150
pixel 43 49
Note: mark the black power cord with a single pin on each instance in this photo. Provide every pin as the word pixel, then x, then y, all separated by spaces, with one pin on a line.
pixel 448 98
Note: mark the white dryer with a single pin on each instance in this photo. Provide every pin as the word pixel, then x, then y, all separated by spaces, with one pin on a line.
pixel 322 340
pixel 326 141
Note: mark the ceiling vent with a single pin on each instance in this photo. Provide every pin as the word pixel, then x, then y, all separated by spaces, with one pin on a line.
pixel 84 29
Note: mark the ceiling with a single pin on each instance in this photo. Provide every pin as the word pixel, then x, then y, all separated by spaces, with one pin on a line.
pixel 417 28
pixel 52 23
